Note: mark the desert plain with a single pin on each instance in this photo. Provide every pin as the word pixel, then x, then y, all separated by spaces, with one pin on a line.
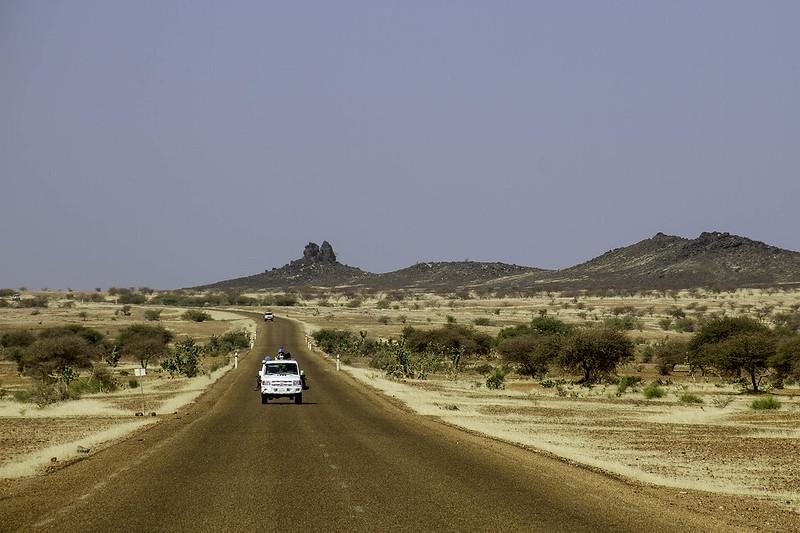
pixel 719 452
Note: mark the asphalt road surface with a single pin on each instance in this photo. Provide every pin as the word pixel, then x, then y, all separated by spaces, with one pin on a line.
pixel 347 459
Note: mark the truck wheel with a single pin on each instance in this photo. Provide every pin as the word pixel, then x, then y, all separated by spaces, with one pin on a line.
pixel 264 399
pixel 298 398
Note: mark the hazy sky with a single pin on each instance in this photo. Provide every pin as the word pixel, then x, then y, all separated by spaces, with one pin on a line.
pixel 170 144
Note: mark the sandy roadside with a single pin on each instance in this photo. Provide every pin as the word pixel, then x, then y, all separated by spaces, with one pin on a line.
pixel 33 439
pixel 730 450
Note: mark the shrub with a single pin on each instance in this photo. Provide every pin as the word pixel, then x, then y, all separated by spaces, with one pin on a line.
pixel 133 383
pixel 767 402
pixel 595 352
pixel 652 390
pixel 688 397
pixel 684 324
pixel 36 302
pixel 287 300
pixel 143 342
pixel 233 340
pixel 152 314
pixel 101 380
pixel 627 381
pixel 334 341
pixel 22 396
pixel 196 315
pixel 183 359
pixel 483 321
pixel 496 379
pixel 530 354
pixel 448 339
pixel 622 323
pixel 19 337
pixel 128 297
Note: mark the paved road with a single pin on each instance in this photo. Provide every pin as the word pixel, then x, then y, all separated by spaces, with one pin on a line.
pixel 345 460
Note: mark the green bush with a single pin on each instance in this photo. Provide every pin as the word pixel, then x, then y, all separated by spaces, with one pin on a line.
pixel 101 380
pixel 133 383
pixel 196 315
pixel 334 341
pixel 767 402
pixel 37 302
pixel 19 337
pixel 627 381
pixel 497 378
pixel 688 397
pixel 128 297
pixel 152 314
pixel 483 368
pixel 622 323
pixel 183 359
pixel 287 300
pixel 22 396
pixel 448 339
pixel 229 342
pixel 652 390
pixel 483 321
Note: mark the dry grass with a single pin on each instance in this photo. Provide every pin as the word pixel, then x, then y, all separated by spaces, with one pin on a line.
pixel 721 445
pixel 31 436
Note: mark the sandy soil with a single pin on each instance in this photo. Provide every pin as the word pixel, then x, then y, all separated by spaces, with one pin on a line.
pixel 721 446
pixel 34 440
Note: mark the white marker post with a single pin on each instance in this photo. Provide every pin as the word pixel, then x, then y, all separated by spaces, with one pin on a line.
pixel 235 359
pixel 140 372
pixel 337 362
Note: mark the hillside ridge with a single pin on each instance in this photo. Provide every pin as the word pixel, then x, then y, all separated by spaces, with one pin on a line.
pixel 712 260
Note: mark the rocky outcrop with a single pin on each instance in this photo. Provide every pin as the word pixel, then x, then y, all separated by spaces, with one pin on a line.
pixel 313 253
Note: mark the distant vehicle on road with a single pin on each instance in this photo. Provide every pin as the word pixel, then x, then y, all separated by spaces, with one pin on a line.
pixel 268 316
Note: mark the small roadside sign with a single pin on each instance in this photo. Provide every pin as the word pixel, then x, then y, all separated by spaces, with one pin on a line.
pixel 139 372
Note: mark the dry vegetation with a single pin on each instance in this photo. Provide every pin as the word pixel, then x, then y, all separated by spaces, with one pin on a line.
pixel 702 434
pixel 34 437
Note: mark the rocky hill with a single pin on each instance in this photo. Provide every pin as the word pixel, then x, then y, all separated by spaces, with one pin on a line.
pixel 712 260
pixel 317 268
pixel 451 274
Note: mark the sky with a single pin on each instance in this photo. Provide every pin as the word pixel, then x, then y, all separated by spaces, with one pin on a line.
pixel 169 144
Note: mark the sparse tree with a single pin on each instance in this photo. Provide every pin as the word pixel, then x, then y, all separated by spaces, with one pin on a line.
pixel 594 352
pixel 702 351
pixel 786 361
pixel 669 353
pixel 56 358
pixel 143 343
pixel 749 352
pixel 532 354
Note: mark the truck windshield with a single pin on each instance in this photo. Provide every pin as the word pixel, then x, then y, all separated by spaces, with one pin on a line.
pixel 282 368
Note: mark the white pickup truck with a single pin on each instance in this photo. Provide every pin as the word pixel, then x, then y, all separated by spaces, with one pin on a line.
pixel 281 378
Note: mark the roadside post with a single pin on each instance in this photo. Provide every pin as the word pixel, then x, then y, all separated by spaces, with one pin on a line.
pixel 236 359
pixel 337 361
pixel 140 372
